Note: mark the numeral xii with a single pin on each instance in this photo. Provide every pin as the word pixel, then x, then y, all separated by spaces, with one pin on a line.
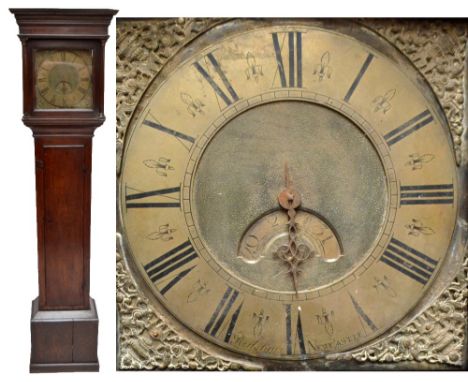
pixel 294 57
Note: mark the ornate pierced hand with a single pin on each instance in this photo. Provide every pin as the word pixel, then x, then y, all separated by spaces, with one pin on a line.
pixel 292 253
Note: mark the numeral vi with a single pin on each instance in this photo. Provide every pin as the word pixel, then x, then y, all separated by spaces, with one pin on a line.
pixel 298 337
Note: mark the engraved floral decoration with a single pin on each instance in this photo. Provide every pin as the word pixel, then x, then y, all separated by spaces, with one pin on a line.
pixel 146 341
pixel 142 49
pixel 438 50
pixel 437 336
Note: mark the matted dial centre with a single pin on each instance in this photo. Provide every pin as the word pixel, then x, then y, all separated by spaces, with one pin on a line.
pixel 333 165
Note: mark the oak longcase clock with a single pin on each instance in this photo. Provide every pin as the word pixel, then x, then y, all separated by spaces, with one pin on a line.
pixel 63 103
pixel 288 192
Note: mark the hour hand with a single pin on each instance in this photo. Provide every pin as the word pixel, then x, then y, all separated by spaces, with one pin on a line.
pixel 292 254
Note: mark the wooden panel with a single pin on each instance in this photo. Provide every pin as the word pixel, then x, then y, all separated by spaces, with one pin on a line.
pixel 63 193
pixel 52 342
pixel 85 335
pixel 63 200
pixel 64 340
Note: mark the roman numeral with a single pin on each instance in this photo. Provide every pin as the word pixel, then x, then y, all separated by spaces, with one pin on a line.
pixel 169 202
pixel 359 76
pixel 363 316
pixel 221 312
pixel 294 59
pixel 299 332
pixel 426 194
pixel 409 261
pixel 170 262
pixel 181 137
pixel 414 124
pixel 227 98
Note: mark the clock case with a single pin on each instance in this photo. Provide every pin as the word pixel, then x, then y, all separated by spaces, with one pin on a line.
pixel 64 321
pixel 384 353
pixel 54 39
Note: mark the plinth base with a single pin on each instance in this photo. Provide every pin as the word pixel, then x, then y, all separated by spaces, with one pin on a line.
pixel 63 340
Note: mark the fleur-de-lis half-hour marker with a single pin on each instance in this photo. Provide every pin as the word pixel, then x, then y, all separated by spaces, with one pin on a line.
pixel 162 165
pixel 326 318
pixel 253 70
pixel 383 284
pixel 194 106
pixel 164 233
pixel 259 319
pixel 323 70
pixel 417 227
pixel 382 102
pixel 200 288
pixel 417 161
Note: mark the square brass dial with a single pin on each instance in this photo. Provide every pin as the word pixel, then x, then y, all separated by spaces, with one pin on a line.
pixel 204 163
pixel 63 79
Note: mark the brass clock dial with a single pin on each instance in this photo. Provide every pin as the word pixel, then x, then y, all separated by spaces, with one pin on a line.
pixel 287 189
pixel 63 79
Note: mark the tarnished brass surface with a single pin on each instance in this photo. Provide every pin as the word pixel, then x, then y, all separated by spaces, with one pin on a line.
pixel 432 336
pixel 327 167
pixel 63 79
